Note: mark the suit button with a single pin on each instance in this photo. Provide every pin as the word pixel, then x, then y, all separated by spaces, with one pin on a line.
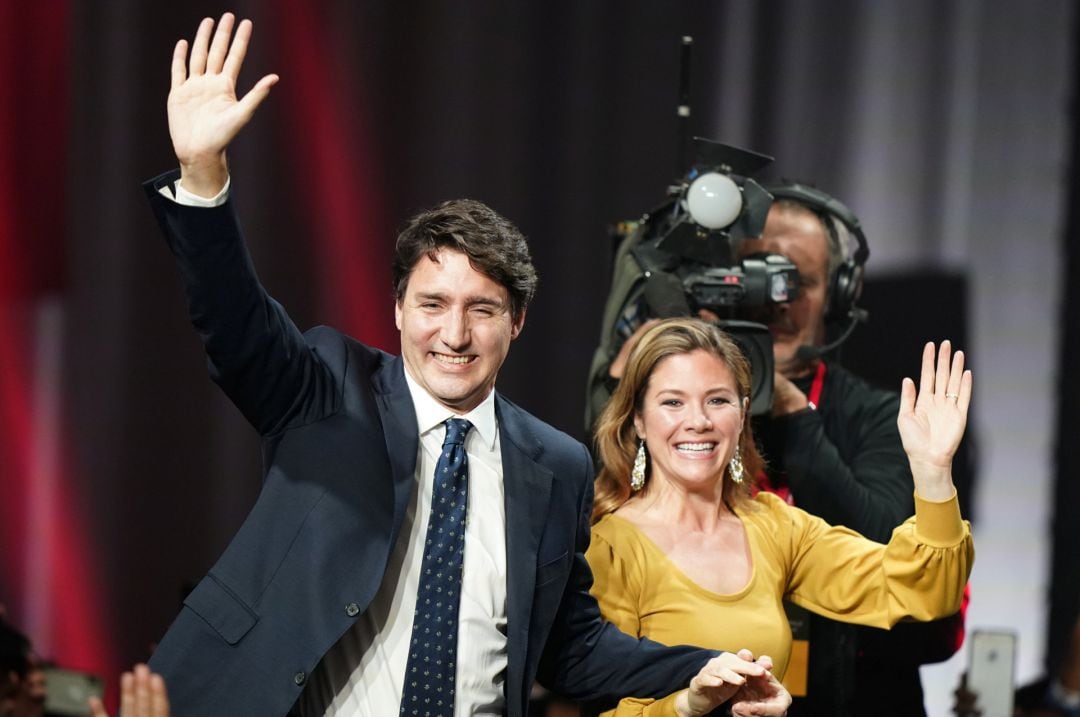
pixel 352 609
pixel 299 678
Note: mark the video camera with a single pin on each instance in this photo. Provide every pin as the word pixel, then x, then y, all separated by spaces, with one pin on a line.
pixel 686 253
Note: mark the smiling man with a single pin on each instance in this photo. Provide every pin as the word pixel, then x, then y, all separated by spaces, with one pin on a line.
pixel 417 547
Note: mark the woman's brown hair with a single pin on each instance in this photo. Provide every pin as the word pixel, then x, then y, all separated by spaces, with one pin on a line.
pixel 616 438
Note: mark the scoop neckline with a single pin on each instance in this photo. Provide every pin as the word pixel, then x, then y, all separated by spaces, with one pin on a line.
pixel 686 579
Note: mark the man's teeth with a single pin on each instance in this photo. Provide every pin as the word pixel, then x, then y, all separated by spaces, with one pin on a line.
pixel 696 446
pixel 452 359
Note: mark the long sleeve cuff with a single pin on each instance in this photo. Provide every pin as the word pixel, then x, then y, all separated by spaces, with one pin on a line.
pixel 178 194
pixel 938 523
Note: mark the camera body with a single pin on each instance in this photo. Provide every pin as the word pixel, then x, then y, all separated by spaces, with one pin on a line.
pixel 757 280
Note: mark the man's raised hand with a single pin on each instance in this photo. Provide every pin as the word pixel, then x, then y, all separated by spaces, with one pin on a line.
pixel 204 111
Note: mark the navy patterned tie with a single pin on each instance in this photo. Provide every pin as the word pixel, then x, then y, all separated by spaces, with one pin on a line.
pixel 429 673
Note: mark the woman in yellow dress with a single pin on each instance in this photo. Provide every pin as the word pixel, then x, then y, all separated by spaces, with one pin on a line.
pixel 683 551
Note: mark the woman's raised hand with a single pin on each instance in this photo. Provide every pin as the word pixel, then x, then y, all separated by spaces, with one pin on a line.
pixel 932 423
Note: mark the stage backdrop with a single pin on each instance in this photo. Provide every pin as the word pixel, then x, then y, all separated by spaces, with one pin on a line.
pixel 946 126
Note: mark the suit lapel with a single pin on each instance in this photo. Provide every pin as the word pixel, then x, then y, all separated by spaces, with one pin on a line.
pixel 528 491
pixel 398 417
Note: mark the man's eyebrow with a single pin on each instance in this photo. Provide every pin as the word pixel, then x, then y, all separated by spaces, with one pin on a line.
pixel 484 301
pixel 479 300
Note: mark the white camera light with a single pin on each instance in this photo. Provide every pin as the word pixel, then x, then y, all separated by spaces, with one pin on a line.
pixel 714 200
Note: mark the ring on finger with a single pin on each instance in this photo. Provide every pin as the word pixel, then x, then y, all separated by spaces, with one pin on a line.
pixel 952 395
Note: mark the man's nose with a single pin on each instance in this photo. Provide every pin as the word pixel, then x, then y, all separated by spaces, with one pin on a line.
pixel 455 329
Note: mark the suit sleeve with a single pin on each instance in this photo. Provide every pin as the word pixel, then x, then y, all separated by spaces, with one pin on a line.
pixel 590 659
pixel 255 352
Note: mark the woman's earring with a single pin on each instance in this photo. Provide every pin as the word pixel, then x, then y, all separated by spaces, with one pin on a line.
pixel 637 476
pixel 736 467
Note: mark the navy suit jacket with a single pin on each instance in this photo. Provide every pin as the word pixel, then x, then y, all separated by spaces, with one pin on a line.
pixel 340 445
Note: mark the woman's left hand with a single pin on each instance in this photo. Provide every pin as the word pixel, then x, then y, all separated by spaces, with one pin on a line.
pixel 932 423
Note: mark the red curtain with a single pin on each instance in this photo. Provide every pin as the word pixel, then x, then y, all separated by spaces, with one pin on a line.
pixel 49 582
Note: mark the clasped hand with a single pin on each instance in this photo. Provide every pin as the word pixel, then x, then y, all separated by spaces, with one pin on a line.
pixel 749 685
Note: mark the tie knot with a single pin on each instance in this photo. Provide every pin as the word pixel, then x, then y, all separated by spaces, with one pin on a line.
pixel 456 428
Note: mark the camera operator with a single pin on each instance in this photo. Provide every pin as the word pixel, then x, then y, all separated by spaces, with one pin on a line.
pixel 832 448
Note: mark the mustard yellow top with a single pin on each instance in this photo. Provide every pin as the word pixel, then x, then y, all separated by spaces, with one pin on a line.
pixel 832 571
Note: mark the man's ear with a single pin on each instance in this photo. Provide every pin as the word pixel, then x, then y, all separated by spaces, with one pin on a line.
pixel 397 314
pixel 517 325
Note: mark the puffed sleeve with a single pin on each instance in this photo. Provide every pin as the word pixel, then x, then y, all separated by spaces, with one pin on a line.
pixel 616 578
pixel 618 571
pixel 920 574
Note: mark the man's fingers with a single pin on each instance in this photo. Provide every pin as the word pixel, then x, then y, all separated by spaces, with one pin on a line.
pixel 96 708
pixel 220 46
pixel 179 64
pixel 127 693
pixel 200 46
pixel 251 101
pixel 142 690
pixel 159 701
pixel 238 50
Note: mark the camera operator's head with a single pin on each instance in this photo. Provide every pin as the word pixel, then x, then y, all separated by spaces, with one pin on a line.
pixel 817 243
pixel 799 234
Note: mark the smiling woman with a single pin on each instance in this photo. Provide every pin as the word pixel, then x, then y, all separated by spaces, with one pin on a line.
pixel 687 553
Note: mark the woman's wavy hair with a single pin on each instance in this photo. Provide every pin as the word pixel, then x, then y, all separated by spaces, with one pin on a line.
pixel 616 438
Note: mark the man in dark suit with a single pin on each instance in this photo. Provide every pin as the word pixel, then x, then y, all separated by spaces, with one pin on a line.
pixel 418 541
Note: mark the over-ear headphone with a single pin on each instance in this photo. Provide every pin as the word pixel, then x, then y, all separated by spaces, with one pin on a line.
pixel 847 279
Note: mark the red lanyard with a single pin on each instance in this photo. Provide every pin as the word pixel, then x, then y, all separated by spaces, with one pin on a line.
pixel 763 482
pixel 817 385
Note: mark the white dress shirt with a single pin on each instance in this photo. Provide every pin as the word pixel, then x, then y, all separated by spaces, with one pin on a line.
pixel 364 672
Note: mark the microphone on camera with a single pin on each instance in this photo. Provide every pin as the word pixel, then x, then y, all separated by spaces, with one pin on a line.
pixel 806 353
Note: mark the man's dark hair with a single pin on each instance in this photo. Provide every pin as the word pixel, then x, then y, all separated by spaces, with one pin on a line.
pixel 495 247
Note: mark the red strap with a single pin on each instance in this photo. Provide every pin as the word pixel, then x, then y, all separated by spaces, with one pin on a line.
pixel 817 385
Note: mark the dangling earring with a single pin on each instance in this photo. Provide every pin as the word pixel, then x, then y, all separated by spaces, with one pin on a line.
pixel 735 468
pixel 637 476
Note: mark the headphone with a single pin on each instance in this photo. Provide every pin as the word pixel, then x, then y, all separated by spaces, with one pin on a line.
pixel 847 279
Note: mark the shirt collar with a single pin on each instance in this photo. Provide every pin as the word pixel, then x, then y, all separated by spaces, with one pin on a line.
pixel 431 414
